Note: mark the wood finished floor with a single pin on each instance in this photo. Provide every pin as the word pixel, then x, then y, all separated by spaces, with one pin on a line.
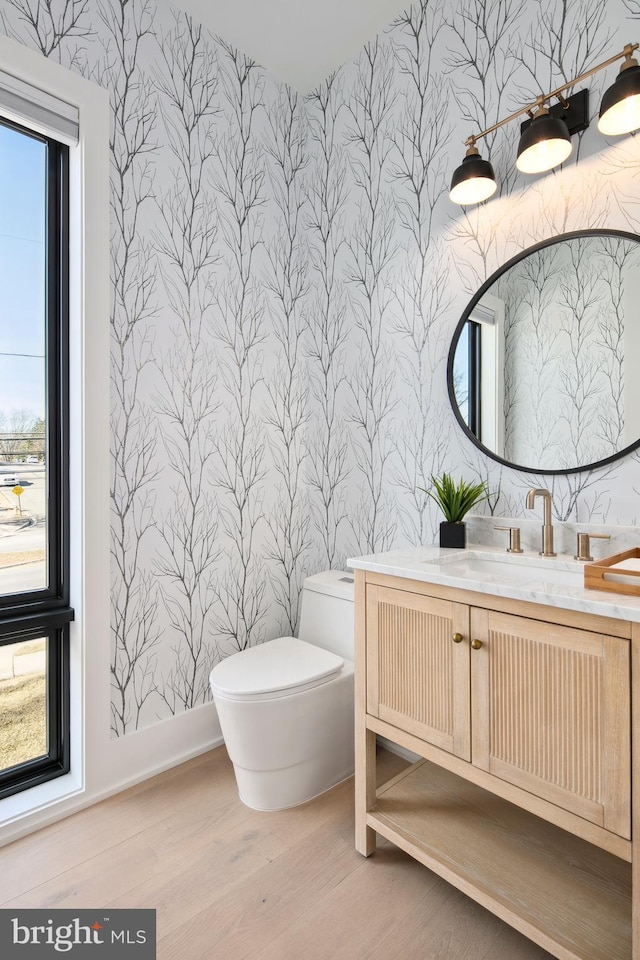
pixel 229 883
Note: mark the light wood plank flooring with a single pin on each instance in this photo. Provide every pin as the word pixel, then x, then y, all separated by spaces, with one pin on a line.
pixel 229 883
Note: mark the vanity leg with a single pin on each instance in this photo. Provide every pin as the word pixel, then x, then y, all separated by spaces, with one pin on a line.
pixel 635 792
pixel 365 740
pixel 365 791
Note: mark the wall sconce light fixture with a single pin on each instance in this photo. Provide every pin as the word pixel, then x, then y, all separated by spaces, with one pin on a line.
pixel 545 139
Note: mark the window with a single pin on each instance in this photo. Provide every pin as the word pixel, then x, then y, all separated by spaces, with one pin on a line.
pixel 34 491
pixel 478 373
pixel 466 375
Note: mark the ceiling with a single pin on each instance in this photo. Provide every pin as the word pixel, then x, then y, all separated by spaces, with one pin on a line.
pixel 299 41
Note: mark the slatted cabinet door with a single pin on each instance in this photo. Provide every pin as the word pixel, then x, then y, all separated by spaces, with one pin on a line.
pixel 418 666
pixel 551 714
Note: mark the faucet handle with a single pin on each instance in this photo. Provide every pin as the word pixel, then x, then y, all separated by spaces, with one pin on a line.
pixel 583 547
pixel 514 539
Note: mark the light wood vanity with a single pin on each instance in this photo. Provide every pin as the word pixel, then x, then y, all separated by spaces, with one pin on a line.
pixel 523 713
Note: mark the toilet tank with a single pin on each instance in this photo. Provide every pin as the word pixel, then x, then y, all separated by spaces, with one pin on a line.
pixel 326 614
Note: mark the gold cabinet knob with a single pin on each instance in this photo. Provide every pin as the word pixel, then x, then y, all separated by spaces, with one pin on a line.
pixel 457 638
pixel 476 644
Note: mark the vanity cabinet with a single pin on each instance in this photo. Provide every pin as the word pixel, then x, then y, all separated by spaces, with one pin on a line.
pixel 521 714
pixel 542 706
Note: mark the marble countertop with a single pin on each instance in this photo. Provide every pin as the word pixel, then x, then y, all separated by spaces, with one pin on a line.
pixel 554 582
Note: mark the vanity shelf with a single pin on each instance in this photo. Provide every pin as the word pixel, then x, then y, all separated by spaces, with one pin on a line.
pixel 522 715
pixel 576 904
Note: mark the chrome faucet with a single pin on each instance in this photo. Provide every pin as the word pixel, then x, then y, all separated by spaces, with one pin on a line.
pixel 547 528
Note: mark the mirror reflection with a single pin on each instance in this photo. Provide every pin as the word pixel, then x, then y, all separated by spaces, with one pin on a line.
pixel 544 370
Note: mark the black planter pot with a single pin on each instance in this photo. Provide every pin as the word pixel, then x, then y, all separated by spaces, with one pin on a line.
pixel 453 534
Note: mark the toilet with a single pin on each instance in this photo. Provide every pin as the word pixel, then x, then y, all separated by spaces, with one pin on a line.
pixel 286 706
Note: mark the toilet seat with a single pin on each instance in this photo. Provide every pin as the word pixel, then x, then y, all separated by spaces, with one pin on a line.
pixel 278 668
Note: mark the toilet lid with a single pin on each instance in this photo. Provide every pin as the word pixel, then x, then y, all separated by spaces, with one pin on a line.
pixel 283 666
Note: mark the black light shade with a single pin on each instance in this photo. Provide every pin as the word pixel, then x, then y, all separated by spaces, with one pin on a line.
pixel 620 108
pixel 474 180
pixel 544 144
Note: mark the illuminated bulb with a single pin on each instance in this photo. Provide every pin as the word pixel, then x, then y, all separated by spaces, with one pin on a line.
pixel 620 108
pixel 544 144
pixel 474 180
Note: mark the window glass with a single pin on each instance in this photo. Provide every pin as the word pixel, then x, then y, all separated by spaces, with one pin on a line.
pixel 23 333
pixel 23 695
pixel 461 373
pixel 34 497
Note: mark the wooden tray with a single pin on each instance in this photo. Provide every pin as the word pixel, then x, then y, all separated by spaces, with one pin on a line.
pixel 599 575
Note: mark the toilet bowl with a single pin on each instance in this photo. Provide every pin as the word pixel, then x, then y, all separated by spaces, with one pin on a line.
pixel 286 706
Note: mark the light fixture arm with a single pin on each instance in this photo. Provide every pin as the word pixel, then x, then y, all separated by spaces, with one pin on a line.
pixel 541 100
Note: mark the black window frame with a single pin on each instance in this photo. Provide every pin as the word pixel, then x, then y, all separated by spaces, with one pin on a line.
pixel 46 613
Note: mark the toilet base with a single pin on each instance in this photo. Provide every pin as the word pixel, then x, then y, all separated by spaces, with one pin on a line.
pixel 271 790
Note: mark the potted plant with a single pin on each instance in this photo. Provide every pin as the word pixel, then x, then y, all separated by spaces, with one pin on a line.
pixel 455 501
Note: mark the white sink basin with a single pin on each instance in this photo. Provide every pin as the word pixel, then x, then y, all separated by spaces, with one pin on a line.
pixel 508 568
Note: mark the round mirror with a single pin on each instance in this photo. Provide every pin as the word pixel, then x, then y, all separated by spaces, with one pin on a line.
pixel 544 367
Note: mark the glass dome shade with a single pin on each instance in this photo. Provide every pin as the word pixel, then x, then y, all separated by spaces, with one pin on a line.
pixel 544 144
pixel 620 107
pixel 473 181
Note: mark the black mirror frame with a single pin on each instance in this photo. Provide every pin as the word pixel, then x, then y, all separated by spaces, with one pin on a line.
pixel 465 316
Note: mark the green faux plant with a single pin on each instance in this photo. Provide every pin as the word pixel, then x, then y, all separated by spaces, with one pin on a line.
pixel 455 501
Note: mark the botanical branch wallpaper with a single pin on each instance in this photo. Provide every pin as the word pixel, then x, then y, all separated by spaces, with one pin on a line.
pixel 286 276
